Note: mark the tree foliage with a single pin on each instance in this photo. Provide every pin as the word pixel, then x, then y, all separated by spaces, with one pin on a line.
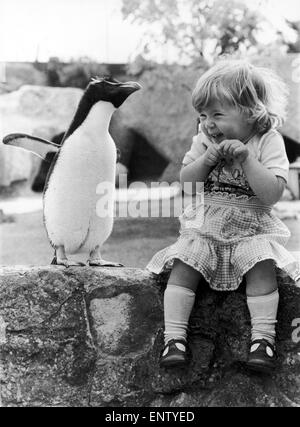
pixel 196 28
pixel 294 47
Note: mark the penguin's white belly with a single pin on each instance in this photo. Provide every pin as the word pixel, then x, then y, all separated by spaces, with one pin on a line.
pixel 70 200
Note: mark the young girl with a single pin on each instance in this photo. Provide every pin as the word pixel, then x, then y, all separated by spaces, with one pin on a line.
pixel 241 158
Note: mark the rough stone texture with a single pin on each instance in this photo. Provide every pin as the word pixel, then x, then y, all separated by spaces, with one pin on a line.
pixel 92 337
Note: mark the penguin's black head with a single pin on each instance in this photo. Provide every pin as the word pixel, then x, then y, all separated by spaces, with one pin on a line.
pixel 110 90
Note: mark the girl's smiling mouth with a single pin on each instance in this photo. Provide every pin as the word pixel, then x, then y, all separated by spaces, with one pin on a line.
pixel 216 137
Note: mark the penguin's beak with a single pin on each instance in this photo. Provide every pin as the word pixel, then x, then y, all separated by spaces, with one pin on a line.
pixel 118 92
pixel 131 87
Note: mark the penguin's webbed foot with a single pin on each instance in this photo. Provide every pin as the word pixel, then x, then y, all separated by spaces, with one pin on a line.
pixel 99 262
pixel 96 260
pixel 60 258
pixel 60 261
pixel 67 263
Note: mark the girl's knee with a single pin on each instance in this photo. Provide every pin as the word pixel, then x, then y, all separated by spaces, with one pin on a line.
pixel 263 270
pixel 261 279
pixel 256 290
pixel 183 275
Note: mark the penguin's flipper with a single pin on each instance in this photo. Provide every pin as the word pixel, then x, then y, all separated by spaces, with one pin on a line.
pixel 34 144
pixel 99 262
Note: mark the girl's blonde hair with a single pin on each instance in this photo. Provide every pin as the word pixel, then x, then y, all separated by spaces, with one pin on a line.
pixel 256 91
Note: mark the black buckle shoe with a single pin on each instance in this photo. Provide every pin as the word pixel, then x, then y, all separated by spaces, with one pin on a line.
pixel 263 358
pixel 174 354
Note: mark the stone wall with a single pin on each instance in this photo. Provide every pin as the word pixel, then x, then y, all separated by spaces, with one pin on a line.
pixel 92 337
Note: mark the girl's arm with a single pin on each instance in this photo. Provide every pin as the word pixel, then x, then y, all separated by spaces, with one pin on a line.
pixel 267 186
pixel 199 169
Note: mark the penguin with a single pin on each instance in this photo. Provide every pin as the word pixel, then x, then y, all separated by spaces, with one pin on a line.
pixel 82 171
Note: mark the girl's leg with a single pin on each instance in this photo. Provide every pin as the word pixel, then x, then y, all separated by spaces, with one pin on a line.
pixel 262 301
pixel 179 300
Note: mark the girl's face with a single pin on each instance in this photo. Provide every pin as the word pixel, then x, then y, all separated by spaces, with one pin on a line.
pixel 220 121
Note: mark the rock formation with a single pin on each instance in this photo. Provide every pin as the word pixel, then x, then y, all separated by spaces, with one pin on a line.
pixel 92 337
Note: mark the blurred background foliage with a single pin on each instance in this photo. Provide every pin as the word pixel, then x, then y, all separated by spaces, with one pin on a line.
pixel 181 32
pixel 186 32
pixel 205 29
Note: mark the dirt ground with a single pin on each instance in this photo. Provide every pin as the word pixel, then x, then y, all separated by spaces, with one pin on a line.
pixel 133 241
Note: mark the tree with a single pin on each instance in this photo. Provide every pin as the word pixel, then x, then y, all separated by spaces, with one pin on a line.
pixel 195 28
pixel 294 47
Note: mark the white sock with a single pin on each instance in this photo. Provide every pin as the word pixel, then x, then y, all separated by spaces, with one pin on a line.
pixel 178 305
pixel 263 312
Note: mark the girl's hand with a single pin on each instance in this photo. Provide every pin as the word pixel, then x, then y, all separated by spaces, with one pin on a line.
pixel 212 155
pixel 234 148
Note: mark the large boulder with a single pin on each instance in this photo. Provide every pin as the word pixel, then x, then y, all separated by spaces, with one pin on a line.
pixel 162 111
pixel 92 337
pixel 13 75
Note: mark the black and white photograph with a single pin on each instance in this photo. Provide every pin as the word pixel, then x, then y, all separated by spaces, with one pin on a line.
pixel 149 206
